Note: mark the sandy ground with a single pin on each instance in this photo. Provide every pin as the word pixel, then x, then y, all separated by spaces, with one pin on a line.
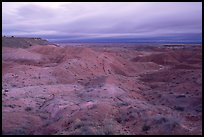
pixel 102 90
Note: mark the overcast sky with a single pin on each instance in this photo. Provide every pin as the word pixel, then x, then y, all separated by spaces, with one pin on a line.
pixel 100 20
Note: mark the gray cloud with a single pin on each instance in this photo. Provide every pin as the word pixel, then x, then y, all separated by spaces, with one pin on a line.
pixel 81 20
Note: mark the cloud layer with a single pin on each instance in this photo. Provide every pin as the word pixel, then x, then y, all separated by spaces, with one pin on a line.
pixel 81 20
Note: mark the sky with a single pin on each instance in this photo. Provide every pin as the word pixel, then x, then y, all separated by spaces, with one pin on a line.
pixel 102 20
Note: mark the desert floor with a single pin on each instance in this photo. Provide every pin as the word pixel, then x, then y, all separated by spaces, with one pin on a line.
pixel 140 90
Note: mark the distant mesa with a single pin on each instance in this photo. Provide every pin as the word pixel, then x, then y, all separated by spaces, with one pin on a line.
pixel 22 42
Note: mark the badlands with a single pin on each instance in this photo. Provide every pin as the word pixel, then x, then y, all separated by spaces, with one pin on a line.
pixel 102 89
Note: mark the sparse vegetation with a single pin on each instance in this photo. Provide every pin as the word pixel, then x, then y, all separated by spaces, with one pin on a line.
pixel 145 127
pixel 181 96
pixel 123 104
pixel 179 108
pixel 167 123
pixel 28 109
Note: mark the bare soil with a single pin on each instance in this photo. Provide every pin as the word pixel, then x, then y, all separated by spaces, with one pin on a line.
pixel 89 90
